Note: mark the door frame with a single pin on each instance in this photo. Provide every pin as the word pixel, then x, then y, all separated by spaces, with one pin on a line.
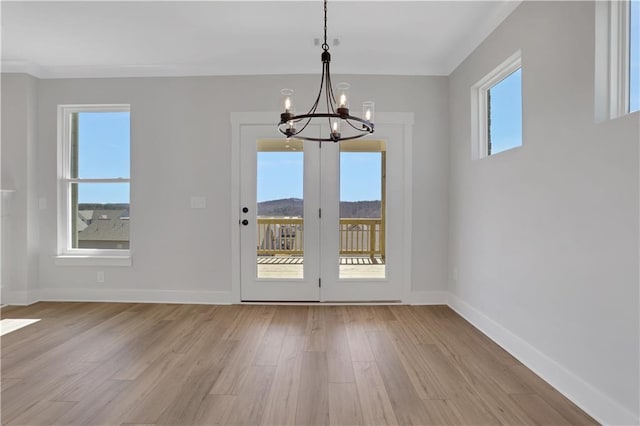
pixel 402 120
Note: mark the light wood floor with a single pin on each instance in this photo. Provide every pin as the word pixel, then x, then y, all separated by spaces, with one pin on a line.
pixel 108 363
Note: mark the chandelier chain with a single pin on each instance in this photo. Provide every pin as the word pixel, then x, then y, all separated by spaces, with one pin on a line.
pixel 325 46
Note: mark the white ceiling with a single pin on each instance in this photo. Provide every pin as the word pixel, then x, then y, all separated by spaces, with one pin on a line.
pixel 161 38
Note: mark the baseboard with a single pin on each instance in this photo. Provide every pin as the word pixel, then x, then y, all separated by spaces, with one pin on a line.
pixel 135 296
pixel 428 298
pixel 19 298
pixel 591 400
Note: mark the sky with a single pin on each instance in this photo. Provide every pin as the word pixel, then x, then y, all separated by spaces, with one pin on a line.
pixel 506 113
pixel 104 152
pixel 280 176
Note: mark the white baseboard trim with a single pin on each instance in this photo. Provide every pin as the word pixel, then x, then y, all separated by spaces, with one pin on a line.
pixel 19 298
pixel 591 400
pixel 135 296
pixel 428 298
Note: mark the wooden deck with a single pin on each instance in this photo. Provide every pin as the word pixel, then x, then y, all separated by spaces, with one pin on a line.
pixel 158 364
pixel 292 267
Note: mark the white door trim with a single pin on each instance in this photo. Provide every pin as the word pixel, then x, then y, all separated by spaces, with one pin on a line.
pixel 239 119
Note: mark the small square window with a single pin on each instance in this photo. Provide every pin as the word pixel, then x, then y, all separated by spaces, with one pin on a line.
pixel 497 110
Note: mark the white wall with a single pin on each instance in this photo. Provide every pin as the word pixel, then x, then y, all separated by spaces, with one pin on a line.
pixel 545 238
pixel 181 136
pixel 19 173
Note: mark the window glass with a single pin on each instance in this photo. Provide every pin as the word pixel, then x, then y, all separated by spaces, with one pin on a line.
pixel 101 220
pixel 97 177
pixel 634 56
pixel 362 210
pixel 504 111
pixel 103 145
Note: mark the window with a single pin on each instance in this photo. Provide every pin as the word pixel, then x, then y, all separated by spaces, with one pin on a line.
pixel 617 65
pixel 634 55
pixel 497 110
pixel 95 177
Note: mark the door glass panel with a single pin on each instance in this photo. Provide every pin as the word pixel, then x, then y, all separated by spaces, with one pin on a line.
pixel 362 209
pixel 280 207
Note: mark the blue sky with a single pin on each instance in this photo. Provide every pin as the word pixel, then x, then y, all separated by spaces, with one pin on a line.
pixel 506 113
pixel 104 150
pixel 635 56
pixel 280 176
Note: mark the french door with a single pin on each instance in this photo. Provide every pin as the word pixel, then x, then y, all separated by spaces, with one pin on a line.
pixel 317 222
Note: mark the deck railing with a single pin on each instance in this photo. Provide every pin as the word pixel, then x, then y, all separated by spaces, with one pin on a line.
pixel 358 236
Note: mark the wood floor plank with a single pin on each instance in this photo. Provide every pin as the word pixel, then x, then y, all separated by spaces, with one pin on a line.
pixel 130 394
pixel 280 408
pixel 186 406
pixel 43 413
pixel 417 330
pixel 406 403
pixel 444 412
pixel 315 332
pixel 374 401
pixel 425 382
pixel 297 320
pixel 344 405
pixel 358 342
pixel 181 388
pixel 136 363
pixel 269 350
pixel 313 396
pixel 555 399
pixel 99 407
pixel 235 371
pixel 539 411
pixel 248 407
pixel 340 369
pixel 214 410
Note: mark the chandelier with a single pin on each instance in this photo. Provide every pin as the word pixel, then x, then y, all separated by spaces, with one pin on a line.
pixel 337 112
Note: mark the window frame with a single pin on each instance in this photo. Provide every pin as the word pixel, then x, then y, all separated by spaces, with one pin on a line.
pixel 612 65
pixel 67 254
pixel 480 107
pixel 620 52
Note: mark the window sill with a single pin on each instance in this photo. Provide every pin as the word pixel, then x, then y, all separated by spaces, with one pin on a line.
pixel 92 260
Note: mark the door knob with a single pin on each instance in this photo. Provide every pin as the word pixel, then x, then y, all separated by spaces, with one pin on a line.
pixel 245 222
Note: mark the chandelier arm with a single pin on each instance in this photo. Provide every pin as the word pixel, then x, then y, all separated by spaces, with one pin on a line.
pixel 305 126
pixel 330 90
pixel 350 124
pixel 314 107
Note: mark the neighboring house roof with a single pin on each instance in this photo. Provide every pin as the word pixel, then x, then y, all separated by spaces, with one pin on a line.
pixel 85 218
pixel 106 225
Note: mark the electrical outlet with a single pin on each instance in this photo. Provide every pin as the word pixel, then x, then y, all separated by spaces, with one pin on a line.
pixel 455 274
pixel 198 202
pixel 100 277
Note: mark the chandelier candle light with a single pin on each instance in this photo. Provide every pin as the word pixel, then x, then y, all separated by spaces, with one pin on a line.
pixel 337 113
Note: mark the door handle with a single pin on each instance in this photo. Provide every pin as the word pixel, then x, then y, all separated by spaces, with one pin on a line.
pixel 245 222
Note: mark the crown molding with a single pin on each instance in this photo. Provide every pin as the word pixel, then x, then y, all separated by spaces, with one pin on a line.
pixel 21 67
pixel 123 71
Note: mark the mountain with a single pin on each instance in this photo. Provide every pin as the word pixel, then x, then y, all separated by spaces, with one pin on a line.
pixel 285 207
pixel 293 207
